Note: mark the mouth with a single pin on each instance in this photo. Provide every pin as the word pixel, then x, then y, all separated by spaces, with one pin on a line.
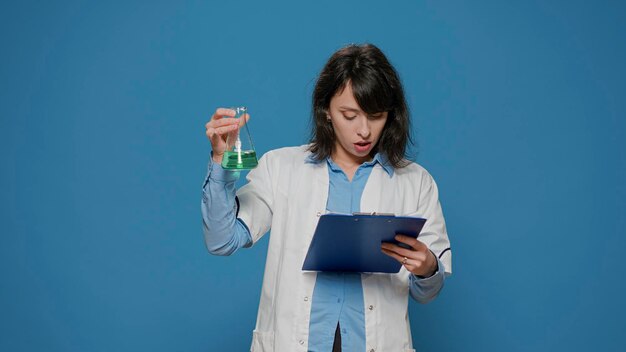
pixel 362 146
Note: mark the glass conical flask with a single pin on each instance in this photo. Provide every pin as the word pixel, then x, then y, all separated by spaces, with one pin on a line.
pixel 240 153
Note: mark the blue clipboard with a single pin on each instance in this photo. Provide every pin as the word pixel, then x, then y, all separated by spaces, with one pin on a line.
pixel 343 242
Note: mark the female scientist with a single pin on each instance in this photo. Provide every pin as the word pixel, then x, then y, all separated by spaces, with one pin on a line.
pixel 355 162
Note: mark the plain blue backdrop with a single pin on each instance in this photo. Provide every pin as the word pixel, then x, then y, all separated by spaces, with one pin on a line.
pixel 518 111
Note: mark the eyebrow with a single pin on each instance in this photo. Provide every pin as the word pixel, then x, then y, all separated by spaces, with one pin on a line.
pixel 347 108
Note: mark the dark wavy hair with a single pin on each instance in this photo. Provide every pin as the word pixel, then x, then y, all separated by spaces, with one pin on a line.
pixel 376 87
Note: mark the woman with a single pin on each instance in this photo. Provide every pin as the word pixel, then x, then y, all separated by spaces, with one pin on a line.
pixel 354 163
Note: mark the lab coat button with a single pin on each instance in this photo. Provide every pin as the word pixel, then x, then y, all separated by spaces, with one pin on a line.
pixel 319 213
pixel 370 308
pixel 302 342
pixel 306 299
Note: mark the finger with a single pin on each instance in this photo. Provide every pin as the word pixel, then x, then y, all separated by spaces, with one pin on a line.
pixel 410 264
pixel 393 255
pixel 224 129
pixel 406 261
pixel 218 133
pixel 212 134
pixel 403 252
pixel 221 122
pixel 241 121
pixel 245 117
pixel 221 112
pixel 397 249
pixel 411 241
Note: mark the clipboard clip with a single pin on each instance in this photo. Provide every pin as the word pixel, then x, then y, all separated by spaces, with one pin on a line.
pixel 374 213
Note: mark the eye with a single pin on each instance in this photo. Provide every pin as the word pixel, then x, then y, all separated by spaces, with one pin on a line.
pixel 349 117
pixel 375 116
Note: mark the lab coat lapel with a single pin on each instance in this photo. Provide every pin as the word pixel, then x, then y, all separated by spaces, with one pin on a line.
pixel 377 191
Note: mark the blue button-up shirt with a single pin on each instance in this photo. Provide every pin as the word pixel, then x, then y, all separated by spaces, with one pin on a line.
pixel 338 297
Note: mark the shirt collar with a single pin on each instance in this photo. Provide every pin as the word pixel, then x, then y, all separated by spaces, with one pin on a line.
pixel 378 159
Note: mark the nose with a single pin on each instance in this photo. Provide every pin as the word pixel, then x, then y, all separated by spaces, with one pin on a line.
pixel 364 130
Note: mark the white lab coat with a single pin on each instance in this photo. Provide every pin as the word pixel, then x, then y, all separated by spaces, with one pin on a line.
pixel 288 195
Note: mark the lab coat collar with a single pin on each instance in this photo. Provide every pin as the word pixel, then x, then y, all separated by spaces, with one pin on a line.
pixel 379 158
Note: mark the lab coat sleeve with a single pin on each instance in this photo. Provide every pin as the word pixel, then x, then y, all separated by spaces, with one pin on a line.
pixel 434 233
pixel 256 198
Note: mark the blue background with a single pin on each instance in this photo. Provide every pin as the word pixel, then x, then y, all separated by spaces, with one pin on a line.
pixel 518 110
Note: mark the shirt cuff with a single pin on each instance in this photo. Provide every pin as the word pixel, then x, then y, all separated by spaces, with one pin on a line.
pixel 217 173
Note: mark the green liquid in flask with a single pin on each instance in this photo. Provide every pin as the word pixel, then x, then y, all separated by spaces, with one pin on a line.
pixel 232 161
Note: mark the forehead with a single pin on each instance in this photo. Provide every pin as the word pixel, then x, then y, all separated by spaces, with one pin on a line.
pixel 344 99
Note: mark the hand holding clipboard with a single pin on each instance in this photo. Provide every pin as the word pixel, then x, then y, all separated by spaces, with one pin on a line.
pixel 344 242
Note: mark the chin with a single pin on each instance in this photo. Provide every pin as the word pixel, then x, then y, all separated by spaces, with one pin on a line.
pixel 361 154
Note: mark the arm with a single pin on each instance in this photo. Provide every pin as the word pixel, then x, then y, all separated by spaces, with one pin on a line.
pixel 254 205
pixel 428 259
pixel 435 236
pixel 223 232
pixel 434 233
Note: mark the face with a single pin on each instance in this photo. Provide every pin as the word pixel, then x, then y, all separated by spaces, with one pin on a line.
pixel 356 132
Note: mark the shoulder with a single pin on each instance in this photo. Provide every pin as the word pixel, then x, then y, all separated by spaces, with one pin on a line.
pixel 414 172
pixel 286 158
pixel 412 169
pixel 416 177
pixel 287 154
